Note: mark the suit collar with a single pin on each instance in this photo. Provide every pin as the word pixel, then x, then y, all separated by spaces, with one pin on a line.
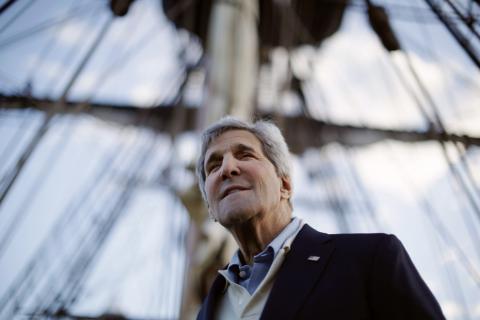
pixel 298 274
pixel 215 293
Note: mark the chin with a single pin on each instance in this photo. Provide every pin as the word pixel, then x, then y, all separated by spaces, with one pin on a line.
pixel 237 216
pixel 236 209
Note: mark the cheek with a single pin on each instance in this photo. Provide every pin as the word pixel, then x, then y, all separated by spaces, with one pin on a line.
pixel 270 186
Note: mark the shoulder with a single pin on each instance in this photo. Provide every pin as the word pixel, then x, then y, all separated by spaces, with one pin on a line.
pixel 367 240
pixel 352 243
pixel 356 239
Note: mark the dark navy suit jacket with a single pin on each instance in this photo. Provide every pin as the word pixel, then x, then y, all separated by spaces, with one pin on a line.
pixel 358 276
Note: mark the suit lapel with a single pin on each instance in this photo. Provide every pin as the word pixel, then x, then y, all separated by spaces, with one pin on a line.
pixel 211 301
pixel 298 274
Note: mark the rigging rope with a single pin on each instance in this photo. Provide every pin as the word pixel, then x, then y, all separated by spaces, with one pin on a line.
pixel 24 284
pixel 456 33
pixel 74 13
pixel 6 5
pixel 51 113
pixel 35 187
pixel 69 58
pixel 15 17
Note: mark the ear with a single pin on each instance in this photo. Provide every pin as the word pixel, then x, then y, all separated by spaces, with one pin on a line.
pixel 286 188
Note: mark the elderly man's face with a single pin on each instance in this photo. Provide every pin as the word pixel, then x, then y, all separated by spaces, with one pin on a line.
pixel 240 180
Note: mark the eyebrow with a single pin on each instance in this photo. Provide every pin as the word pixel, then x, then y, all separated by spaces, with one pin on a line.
pixel 236 148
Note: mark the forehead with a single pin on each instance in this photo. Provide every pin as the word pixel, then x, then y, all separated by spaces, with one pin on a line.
pixel 232 139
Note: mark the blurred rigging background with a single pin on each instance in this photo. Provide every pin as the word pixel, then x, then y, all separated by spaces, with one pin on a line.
pixel 102 102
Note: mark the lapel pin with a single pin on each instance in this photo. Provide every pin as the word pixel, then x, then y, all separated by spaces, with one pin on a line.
pixel 313 258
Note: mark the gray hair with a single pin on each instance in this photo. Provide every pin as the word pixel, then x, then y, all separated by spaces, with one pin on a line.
pixel 273 145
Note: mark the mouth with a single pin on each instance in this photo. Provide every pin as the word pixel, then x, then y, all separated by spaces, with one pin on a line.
pixel 231 190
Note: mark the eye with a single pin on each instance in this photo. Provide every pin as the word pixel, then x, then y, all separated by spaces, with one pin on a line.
pixel 246 155
pixel 212 167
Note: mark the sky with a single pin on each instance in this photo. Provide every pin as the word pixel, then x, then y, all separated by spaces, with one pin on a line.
pixel 350 79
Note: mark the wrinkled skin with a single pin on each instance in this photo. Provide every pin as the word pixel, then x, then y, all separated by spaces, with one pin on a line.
pixel 244 192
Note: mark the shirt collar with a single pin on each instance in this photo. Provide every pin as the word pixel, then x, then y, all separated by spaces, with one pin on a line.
pixel 276 244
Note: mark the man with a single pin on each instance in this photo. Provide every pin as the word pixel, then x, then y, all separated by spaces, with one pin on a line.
pixel 284 269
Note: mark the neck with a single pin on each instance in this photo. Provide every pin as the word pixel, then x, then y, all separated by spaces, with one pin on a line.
pixel 253 235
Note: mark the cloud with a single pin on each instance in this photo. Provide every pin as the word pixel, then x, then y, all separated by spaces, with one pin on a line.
pixel 71 33
pixel 144 94
pixel 476 311
pixel 86 82
pixel 451 309
pixel 448 256
pixel 51 68
pixel 361 85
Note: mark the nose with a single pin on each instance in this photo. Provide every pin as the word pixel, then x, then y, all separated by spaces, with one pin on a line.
pixel 229 167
